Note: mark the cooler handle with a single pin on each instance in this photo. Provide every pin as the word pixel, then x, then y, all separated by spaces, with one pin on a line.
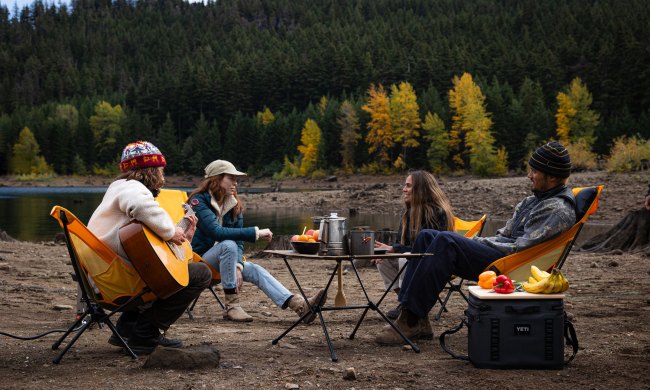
pixel 522 310
pixel 571 338
pixel 450 331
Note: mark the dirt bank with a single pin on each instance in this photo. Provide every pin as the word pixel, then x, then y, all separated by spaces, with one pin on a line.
pixel 471 197
pixel 609 299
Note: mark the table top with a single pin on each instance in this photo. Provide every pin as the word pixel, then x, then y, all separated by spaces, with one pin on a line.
pixel 483 293
pixel 291 253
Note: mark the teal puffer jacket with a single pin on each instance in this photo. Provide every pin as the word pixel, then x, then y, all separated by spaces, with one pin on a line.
pixel 210 231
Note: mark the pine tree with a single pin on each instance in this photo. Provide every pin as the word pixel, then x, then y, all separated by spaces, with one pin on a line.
pixel 349 124
pixel 169 146
pixel 437 139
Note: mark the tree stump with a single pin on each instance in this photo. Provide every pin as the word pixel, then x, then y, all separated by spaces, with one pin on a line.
pixel 631 234
pixel 279 242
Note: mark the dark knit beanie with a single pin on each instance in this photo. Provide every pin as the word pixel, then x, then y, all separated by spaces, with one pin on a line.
pixel 552 159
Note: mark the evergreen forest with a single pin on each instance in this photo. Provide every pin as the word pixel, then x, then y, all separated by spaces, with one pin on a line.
pixel 300 87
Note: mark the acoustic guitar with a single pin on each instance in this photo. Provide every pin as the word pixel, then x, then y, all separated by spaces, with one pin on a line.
pixel 162 265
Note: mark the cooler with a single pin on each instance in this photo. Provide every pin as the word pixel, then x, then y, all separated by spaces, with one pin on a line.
pixel 518 330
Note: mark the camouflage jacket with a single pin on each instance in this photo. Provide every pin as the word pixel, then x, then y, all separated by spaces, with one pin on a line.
pixel 536 218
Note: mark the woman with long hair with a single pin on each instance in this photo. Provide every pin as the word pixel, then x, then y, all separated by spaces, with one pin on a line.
pixel 219 239
pixel 426 207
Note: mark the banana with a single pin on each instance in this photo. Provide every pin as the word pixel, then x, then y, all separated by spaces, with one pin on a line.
pixel 565 283
pixel 538 274
pixel 535 288
pixel 552 282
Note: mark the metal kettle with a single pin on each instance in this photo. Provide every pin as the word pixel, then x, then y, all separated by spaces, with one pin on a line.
pixel 332 234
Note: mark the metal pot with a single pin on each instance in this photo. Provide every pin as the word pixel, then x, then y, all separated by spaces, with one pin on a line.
pixel 333 234
pixel 362 242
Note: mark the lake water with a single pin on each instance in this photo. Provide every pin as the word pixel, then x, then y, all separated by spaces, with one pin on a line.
pixel 25 212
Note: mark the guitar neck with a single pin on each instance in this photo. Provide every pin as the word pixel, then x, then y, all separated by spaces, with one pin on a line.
pixel 184 223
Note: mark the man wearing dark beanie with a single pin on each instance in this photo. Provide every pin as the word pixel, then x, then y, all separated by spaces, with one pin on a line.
pixel 545 214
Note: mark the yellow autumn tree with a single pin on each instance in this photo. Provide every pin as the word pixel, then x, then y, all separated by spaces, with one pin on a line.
pixel 405 119
pixel 470 138
pixel 265 117
pixel 310 141
pixel 348 121
pixel 106 124
pixel 25 156
pixel 322 105
pixel 380 130
pixel 574 118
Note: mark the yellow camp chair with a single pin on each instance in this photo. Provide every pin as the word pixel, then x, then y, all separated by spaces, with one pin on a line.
pixel 105 280
pixel 171 201
pixel 468 229
pixel 551 253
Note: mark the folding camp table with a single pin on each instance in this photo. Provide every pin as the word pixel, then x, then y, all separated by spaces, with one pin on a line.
pixel 370 305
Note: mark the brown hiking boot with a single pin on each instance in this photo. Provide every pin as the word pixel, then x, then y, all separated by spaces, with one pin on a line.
pixel 298 304
pixel 233 311
pixel 420 331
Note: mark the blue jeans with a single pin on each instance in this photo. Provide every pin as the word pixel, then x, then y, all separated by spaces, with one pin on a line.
pixel 224 255
pixel 426 276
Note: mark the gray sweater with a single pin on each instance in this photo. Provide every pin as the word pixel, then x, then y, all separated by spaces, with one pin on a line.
pixel 536 218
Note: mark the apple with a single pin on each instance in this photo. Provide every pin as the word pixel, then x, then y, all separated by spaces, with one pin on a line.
pixel 310 232
pixel 315 235
pixel 295 238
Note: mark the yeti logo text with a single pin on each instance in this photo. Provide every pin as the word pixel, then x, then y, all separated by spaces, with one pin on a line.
pixel 522 329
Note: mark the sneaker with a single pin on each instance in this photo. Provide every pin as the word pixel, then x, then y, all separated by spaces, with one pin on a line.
pixel 394 313
pixel 144 346
pixel 421 330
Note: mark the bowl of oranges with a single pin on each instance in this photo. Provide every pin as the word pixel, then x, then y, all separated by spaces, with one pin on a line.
pixel 306 243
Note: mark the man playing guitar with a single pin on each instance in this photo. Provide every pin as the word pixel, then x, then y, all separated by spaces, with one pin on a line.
pixel 131 197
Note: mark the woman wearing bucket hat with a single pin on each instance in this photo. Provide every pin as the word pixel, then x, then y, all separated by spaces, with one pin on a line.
pixel 131 196
pixel 219 240
pixel 427 207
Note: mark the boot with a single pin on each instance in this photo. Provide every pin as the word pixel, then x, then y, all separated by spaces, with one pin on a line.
pixel 124 327
pixel 420 330
pixel 394 313
pixel 233 311
pixel 298 304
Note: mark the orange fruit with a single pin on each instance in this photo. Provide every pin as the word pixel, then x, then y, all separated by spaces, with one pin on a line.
pixel 303 237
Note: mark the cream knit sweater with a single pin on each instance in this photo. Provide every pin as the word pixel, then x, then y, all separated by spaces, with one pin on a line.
pixel 126 200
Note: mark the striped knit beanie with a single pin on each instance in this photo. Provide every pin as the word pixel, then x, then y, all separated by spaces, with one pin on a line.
pixel 552 159
pixel 141 154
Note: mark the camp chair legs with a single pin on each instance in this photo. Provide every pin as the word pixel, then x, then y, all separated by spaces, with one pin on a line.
pixel 451 288
pixel 97 315
pixel 190 309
